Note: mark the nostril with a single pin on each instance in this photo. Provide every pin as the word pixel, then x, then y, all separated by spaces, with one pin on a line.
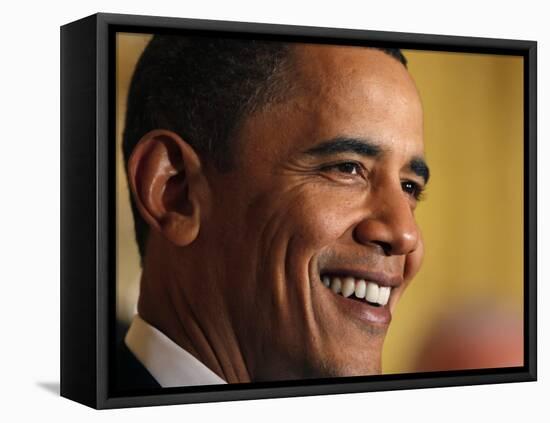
pixel 386 247
pixel 383 247
pixel 374 234
pixel 393 229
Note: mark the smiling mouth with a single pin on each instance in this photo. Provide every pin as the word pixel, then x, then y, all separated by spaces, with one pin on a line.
pixel 358 289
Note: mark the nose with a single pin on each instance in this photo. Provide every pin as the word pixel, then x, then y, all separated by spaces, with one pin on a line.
pixel 389 224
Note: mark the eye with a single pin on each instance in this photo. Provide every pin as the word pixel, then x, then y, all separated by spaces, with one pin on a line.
pixel 348 168
pixel 413 189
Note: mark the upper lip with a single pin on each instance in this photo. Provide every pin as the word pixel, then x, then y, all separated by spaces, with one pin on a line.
pixel 380 278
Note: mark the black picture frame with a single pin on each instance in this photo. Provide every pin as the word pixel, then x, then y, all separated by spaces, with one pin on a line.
pixel 88 260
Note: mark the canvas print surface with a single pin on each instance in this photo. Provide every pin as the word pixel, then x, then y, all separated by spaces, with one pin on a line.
pixel 290 211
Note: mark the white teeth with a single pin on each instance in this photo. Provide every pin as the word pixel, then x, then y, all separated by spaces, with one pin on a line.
pixel 348 287
pixel 336 285
pixel 360 288
pixel 384 295
pixel 372 292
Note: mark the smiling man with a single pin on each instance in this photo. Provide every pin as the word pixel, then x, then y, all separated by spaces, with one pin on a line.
pixel 274 188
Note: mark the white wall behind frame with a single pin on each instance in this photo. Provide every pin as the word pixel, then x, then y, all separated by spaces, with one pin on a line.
pixel 29 175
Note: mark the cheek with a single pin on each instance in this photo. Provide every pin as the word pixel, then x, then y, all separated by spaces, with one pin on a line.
pixel 318 221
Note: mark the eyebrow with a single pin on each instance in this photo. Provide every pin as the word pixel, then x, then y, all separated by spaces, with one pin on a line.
pixel 419 167
pixel 364 147
pixel 337 145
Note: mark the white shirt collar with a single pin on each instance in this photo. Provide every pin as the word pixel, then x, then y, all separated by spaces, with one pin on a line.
pixel 167 362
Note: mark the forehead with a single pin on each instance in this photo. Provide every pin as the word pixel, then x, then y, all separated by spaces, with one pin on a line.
pixel 357 71
pixel 343 91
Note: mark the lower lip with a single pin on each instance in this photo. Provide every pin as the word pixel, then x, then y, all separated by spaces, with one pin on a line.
pixel 362 310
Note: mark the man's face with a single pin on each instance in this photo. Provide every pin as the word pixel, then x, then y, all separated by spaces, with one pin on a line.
pixel 323 190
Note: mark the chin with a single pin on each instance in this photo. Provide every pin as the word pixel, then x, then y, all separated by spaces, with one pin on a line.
pixel 335 370
pixel 339 358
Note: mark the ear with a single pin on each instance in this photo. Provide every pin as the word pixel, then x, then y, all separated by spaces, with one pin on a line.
pixel 165 176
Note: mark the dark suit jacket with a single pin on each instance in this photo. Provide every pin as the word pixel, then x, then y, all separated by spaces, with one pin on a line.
pixel 131 375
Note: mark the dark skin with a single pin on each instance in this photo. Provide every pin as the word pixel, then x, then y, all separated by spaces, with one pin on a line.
pixel 326 179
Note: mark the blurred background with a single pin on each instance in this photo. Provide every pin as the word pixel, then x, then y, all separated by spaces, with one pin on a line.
pixel 464 308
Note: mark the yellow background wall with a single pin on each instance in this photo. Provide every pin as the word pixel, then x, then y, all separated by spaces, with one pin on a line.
pixel 472 218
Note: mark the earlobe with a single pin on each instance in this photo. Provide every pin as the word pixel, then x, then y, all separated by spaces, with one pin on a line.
pixel 164 174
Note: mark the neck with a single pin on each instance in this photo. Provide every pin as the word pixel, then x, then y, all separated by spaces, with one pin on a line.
pixel 174 303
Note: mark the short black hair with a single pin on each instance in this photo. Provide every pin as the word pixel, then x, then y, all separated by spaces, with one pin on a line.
pixel 201 88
